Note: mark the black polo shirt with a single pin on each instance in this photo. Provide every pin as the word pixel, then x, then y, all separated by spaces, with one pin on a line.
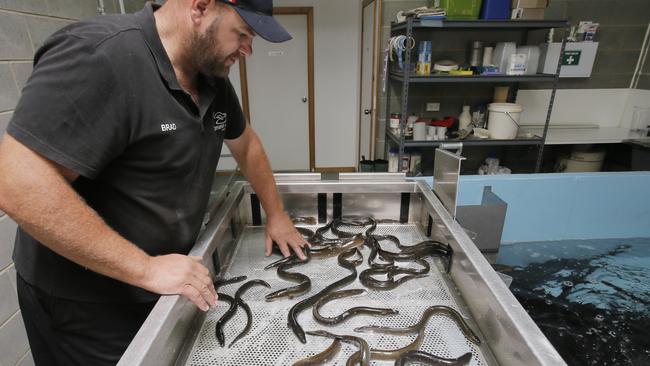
pixel 103 100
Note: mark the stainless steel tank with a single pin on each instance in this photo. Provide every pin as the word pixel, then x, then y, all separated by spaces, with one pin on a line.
pixel 232 244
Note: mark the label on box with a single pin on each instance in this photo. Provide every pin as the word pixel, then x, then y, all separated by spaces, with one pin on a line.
pixel 529 4
pixel 571 58
pixel 528 13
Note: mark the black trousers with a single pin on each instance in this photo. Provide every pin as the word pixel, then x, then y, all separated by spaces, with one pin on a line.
pixel 67 332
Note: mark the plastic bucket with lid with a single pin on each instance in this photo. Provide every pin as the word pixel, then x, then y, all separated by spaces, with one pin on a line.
pixel 503 120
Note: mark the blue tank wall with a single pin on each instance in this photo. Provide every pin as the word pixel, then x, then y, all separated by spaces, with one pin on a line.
pixel 544 207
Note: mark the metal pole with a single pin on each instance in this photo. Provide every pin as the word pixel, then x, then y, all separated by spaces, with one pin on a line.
pixel 122 6
pixel 100 7
pixel 405 92
pixel 540 154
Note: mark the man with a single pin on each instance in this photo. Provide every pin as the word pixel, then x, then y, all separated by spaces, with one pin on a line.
pixel 107 166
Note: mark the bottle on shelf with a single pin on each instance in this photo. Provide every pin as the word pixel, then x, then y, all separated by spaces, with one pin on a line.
pixel 465 118
pixel 393 161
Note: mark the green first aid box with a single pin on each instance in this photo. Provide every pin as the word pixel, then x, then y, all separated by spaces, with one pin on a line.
pixel 461 9
pixel 577 60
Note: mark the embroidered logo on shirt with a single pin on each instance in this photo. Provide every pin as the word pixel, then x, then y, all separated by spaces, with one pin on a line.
pixel 168 127
pixel 220 120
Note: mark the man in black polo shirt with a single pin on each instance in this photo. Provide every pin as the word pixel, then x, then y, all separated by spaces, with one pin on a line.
pixel 107 167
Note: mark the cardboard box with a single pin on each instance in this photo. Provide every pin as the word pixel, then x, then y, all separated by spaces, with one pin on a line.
pixel 535 4
pixel 577 61
pixel 528 13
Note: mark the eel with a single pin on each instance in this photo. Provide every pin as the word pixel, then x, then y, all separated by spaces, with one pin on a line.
pixel 336 249
pixel 362 357
pixel 358 310
pixel 247 309
pixel 306 233
pixel 358 222
pixel 390 354
pixel 225 317
pixel 220 281
pixel 424 249
pixel 421 324
pixel 323 357
pixel 304 282
pixel 367 279
pixel 424 358
pixel 343 260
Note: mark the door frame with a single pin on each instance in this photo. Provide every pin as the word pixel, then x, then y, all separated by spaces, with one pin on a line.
pixel 294 10
pixel 377 14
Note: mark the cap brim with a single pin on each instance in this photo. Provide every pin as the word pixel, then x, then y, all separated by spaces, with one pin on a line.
pixel 265 26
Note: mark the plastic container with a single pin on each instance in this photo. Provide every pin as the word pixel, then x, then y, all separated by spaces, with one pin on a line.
pixel 366 165
pixel 582 161
pixel 487 56
pixel 503 120
pixel 423 66
pixel 420 131
pixel 495 9
pixel 381 165
pixel 465 118
pixel 502 54
pixel 393 161
pixel 461 9
pixel 532 58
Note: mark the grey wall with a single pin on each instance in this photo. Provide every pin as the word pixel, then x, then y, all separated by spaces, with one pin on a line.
pixel 24 25
pixel 623 26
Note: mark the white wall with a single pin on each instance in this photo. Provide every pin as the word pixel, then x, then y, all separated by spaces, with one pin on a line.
pixel 602 107
pixel 608 112
pixel 337 57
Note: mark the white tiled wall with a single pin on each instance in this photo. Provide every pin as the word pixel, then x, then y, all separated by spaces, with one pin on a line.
pixel 24 25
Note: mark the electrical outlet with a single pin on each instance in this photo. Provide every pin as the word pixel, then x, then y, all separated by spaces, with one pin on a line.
pixel 433 107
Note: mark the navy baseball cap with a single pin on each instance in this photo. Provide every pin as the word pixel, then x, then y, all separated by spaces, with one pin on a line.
pixel 258 14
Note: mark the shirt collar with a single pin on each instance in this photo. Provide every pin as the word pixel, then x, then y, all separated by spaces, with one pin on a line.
pixel 208 86
pixel 147 24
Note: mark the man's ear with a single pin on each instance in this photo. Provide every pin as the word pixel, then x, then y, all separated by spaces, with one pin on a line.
pixel 198 10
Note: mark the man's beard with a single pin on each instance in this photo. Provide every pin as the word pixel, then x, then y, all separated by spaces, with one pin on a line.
pixel 208 59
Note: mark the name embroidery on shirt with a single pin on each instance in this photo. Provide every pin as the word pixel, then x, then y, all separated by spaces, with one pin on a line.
pixel 168 127
pixel 220 120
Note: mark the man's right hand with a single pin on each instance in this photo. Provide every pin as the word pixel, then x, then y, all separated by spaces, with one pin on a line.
pixel 176 274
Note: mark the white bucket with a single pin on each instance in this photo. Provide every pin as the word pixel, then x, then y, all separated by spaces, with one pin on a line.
pixel 503 120
pixel 585 161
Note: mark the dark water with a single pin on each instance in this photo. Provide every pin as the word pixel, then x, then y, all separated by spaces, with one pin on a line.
pixel 590 298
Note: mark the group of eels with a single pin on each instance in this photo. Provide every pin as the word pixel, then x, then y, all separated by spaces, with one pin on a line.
pixel 232 309
pixel 346 248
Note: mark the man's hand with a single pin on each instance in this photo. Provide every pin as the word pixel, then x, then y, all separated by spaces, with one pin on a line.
pixel 176 274
pixel 280 229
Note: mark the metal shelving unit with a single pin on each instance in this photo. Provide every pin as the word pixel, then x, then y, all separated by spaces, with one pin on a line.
pixel 399 76
pixel 473 141
pixel 480 24
pixel 411 26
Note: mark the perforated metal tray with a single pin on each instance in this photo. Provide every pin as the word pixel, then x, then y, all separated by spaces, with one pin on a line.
pixel 271 342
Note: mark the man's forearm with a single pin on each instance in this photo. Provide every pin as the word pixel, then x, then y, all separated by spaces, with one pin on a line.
pixel 37 196
pixel 252 160
pixel 35 192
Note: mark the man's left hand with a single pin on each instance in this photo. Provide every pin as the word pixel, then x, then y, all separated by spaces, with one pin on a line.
pixel 280 229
